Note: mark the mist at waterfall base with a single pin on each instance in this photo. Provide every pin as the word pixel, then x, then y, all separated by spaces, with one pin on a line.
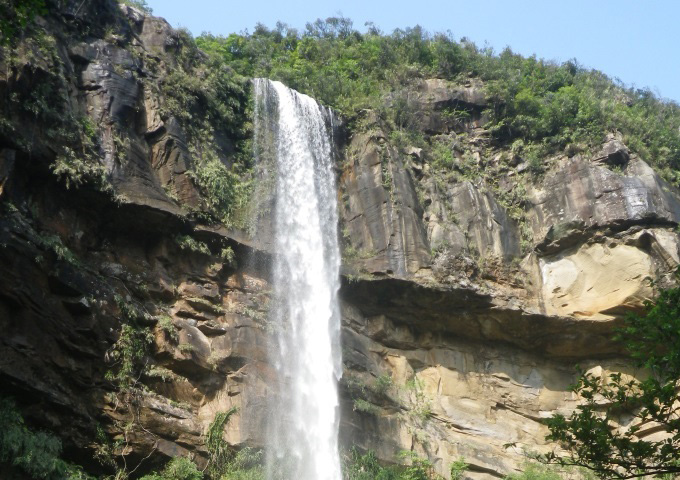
pixel 293 138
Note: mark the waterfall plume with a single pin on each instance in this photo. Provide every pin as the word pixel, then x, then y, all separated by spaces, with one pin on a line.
pixel 295 132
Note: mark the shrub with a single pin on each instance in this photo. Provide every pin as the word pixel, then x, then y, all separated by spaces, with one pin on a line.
pixel 179 468
pixel 189 244
pixel 361 405
pixel 592 435
pixel 458 469
pixel 211 101
pixel 35 453
pixel 131 347
pixel 358 466
pixel 54 244
pixel 533 471
pixel 15 15
pixel 225 192
pixel 218 451
pixel 382 384
pixel 227 256
pixel 418 468
pixel 75 171
pixel 166 324
pixel 537 471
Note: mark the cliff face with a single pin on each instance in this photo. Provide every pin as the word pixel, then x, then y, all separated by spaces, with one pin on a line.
pixel 463 315
pixel 479 315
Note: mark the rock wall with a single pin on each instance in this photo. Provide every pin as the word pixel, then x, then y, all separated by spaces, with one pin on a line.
pixel 462 320
pixel 469 351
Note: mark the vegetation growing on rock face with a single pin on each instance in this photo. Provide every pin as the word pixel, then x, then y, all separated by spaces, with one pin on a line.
pixel 365 466
pixel 546 106
pixel 15 15
pixel 44 113
pixel 537 471
pixel 198 96
pixel 211 102
pixel 178 468
pixel 127 354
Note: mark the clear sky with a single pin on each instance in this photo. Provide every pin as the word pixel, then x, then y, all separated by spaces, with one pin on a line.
pixel 636 41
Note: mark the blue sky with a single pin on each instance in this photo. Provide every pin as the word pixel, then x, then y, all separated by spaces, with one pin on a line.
pixel 635 41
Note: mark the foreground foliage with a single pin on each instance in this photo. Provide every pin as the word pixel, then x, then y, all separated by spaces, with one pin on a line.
pixel 592 434
pixel 36 454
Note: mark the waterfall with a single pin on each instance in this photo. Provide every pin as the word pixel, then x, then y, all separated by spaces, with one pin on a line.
pixel 293 133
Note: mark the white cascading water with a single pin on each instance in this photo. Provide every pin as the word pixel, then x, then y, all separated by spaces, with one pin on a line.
pixel 305 313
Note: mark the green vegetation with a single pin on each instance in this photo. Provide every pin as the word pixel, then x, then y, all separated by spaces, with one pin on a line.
pixel 537 471
pixel 549 106
pixel 225 463
pixel 421 403
pixel 53 243
pixel 165 374
pixel 190 244
pixel 364 406
pixel 80 167
pixel 126 355
pixel 178 468
pixel 364 394
pixel 227 256
pixel 592 434
pixel 43 113
pixel 458 469
pixel 218 450
pixel 206 97
pixel 365 466
pixel 36 454
pixel 166 324
pixel 383 383
pixel 212 103
pixel 15 15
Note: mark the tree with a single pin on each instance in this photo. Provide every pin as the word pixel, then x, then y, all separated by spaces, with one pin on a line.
pixel 594 434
